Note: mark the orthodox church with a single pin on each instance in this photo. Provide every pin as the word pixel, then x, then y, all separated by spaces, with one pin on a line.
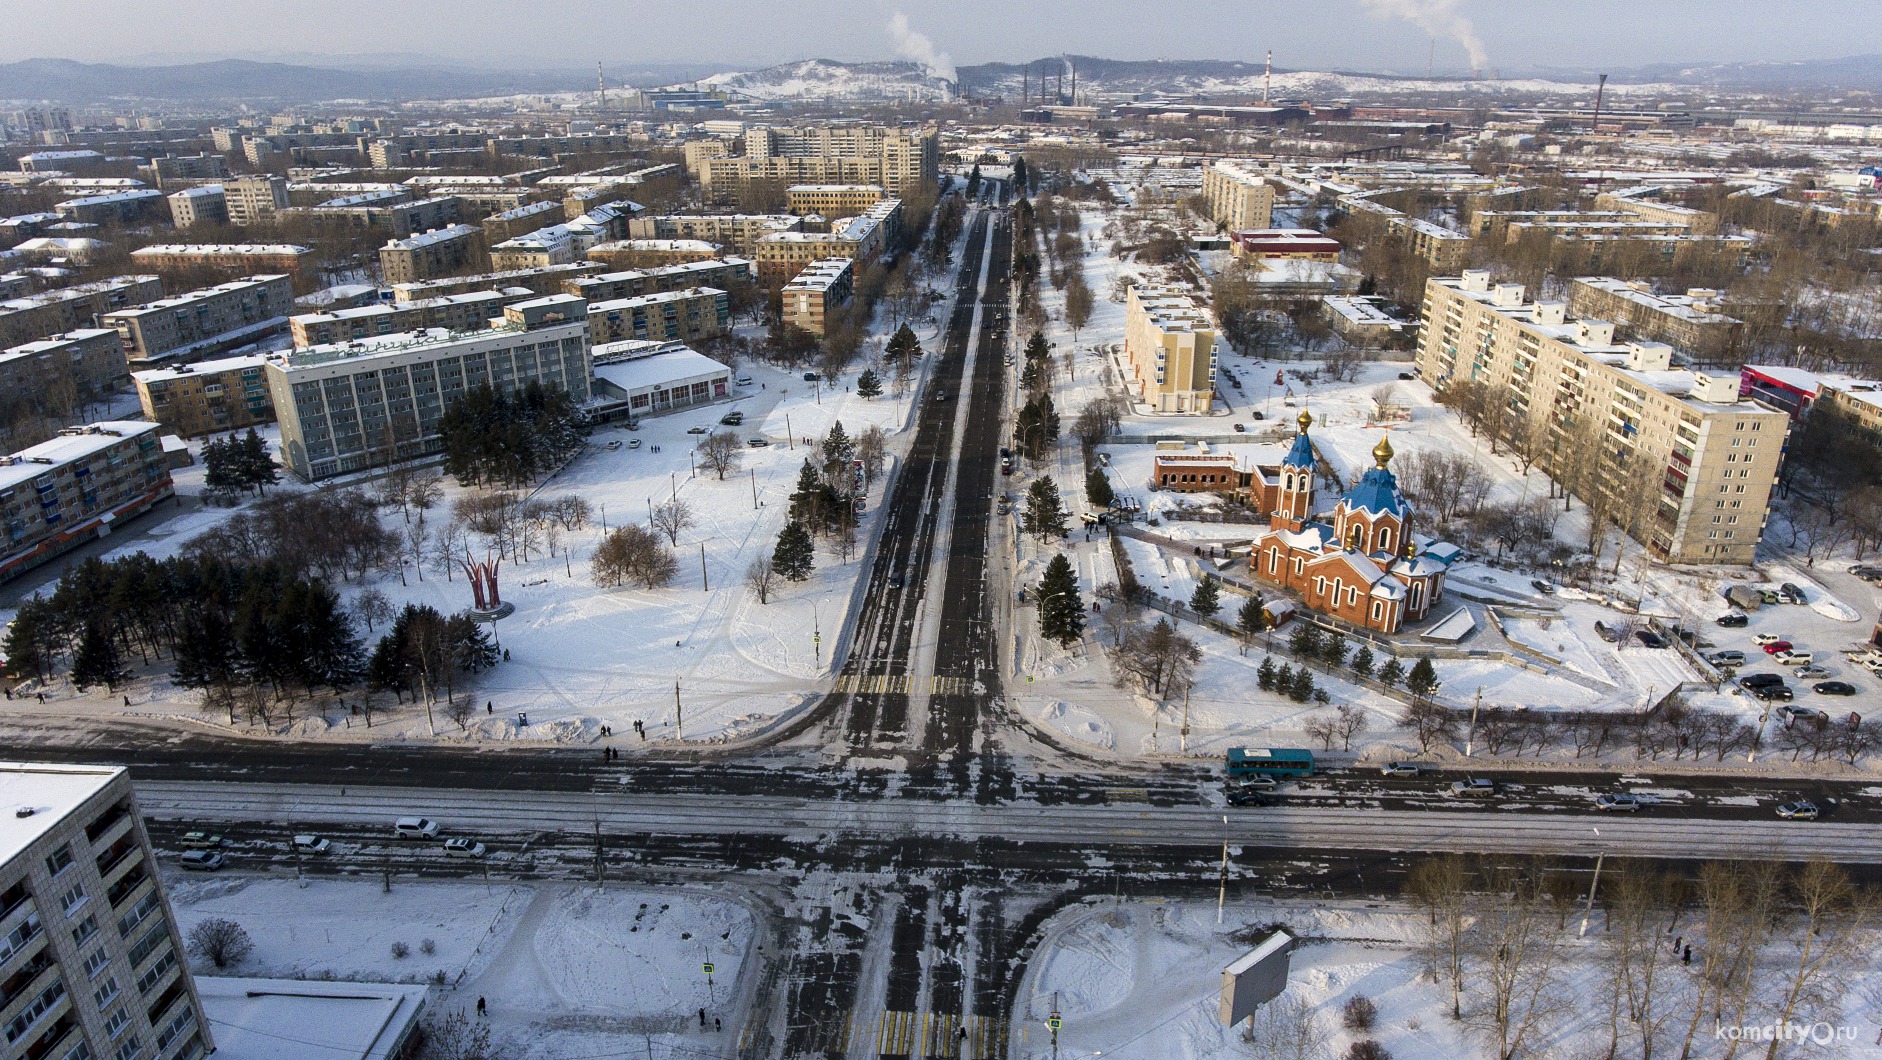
pixel 1363 564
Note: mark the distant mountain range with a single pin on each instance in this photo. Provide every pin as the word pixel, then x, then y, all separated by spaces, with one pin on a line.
pixel 264 83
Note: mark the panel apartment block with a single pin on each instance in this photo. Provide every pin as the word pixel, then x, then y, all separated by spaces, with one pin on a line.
pixel 192 326
pixel 69 308
pixel 428 255
pixel 208 396
pixel 70 489
pixel 1169 339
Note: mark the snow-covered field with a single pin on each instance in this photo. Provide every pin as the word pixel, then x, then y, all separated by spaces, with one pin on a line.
pixel 565 969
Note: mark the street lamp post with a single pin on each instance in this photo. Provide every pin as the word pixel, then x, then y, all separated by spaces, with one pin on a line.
pixel 1600 855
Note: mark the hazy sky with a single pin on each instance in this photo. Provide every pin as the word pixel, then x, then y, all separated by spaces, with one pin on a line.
pixel 1364 34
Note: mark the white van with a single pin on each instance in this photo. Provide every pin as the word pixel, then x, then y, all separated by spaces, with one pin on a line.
pixel 744 380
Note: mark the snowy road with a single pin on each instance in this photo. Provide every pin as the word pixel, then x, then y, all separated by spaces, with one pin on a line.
pixel 1475 829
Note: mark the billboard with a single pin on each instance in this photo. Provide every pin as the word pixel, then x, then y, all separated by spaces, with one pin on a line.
pixel 1256 978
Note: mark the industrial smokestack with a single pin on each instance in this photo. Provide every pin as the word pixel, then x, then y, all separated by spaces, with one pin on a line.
pixel 1600 90
pixel 601 89
pixel 1267 77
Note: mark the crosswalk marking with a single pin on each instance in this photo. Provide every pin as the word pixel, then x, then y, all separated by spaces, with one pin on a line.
pixel 948 686
pixel 936 1035
pixel 895 1033
pixel 876 684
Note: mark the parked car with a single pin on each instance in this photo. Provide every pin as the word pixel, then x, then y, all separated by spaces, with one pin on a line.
pixel 1734 620
pixel 1606 632
pixel 201 860
pixel 1772 693
pixel 1255 783
pixel 1545 588
pixel 1618 801
pixel 1833 688
pixel 613 445
pixel 1728 657
pixel 1866 572
pixel 1799 713
pixel 633 443
pixel 699 428
pixel 1241 428
pixel 1863 656
pixel 1244 797
pixel 1810 673
pixel 1757 680
pixel 744 380
pixel 1475 787
pixel 1762 639
pixel 463 848
pixel 1800 810
pixel 1649 638
pixel 1778 646
pixel 1793 658
pixel 1406 375
pixel 758 443
pixel 200 840
pixel 810 377
pixel 415 828
pixel 733 418
pixel 1401 769
pixel 1791 593
pixel 311 844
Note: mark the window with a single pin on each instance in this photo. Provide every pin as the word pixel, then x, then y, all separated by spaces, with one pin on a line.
pixel 96 963
pixel 115 1022
pixel 84 930
pixel 106 992
pixel 59 860
pixel 71 900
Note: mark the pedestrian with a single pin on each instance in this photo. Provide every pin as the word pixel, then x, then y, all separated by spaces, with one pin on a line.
pixel 487 709
pixel 716 1025
pixel 42 697
pixel 1677 939
pixel 127 701
pixel 702 1019
pixel 1686 958
pixel 482 1010
pixel 506 655
pixel 9 694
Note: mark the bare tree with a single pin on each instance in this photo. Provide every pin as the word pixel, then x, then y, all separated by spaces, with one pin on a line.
pixel 872 450
pixel 1517 946
pixel 1287 1029
pixel 633 553
pixel 1120 615
pixel 456 1036
pixel 1439 886
pixel 1833 917
pixel 721 452
pixel 415 538
pixel 761 578
pixel 671 517
pixel 372 607
pixel 1159 659
pixel 220 941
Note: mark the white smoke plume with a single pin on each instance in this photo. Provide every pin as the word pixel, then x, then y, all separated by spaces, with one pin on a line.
pixel 916 46
pixel 1440 18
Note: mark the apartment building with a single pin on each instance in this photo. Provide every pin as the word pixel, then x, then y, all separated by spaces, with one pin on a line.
pixel 83 365
pixel 1494 225
pixel 680 316
pixel 1238 194
pixel 1442 249
pixel 822 286
pixel 1366 320
pixel 723 274
pixel 72 488
pixel 96 966
pixel 36 316
pixel 519 221
pixel 902 160
pixel 863 238
pixel 542 282
pixel 1641 203
pixel 168 169
pixel 395 214
pixel 834 201
pixel 207 205
pixel 192 326
pixel 577 201
pixel 737 232
pixel 1691 321
pixel 249 258
pixel 1169 340
pixel 649 253
pixel 112 208
pixel 554 245
pixel 428 255
pixel 1680 462
pixel 471 311
pixel 353 405
pixel 207 397
pixel 254 199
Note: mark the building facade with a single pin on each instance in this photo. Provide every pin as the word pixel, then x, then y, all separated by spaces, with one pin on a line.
pixel 737 232
pixel 667 316
pixel 471 311
pixel 375 401
pixel 70 489
pixel 86 364
pixel 194 325
pixel 428 255
pixel 541 282
pixel 903 160
pixel 1169 339
pixel 248 258
pixel 648 253
pixel 254 199
pixel 1287 244
pixel 1683 464
pixel 1690 321
pixel 822 286
pixel 198 206
pixel 863 238
pixel 36 316
pixel 93 962
pixel 833 201
pixel 208 396
pixel 1238 194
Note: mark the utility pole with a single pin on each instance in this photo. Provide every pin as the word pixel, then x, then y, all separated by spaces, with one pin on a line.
pixel 1471 740
pixel 754 489
pixel 598 851
pixel 1592 884
pixel 679 732
pixel 790 440
pixel 1185 731
pixel 1222 892
pixel 704 582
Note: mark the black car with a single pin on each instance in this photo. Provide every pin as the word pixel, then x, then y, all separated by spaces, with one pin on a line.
pixel 1649 638
pixel 1244 797
pixel 1735 620
pixel 1760 680
pixel 810 377
pixel 1833 688
pixel 1406 375
pixel 1769 693
pixel 1542 587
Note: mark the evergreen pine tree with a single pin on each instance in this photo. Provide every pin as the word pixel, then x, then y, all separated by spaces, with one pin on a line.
pixel 1391 672
pixel 1037 349
pixel 1362 661
pixel 1045 513
pixel 97 660
pixel 257 467
pixel 1020 177
pixel 472 650
pixel 808 499
pixel 1304 642
pixel 869 384
pixel 221 471
pixel 1207 599
pixel 1284 679
pixel 1249 619
pixel 794 556
pixel 1300 690
pixel 1061 610
pixel 1264 674
pixel 1423 679
pixel 1098 489
pixel 1333 649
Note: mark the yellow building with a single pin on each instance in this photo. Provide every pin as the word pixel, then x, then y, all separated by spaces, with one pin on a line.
pixel 1170 340
pixel 1238 194
pixel 833 201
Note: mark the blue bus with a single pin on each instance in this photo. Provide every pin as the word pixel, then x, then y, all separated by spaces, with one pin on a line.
pixel 1245 762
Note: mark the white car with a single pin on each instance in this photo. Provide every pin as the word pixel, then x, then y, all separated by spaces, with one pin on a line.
pixel 1761 639
pixel 311 844
pixel 1618 801
pixel 463 848
pixel 200 860
pixel 1476 787
pixel 633 443
pixel 1809 673
pixel 1400 769
pixel 1794 658
pixel 415 828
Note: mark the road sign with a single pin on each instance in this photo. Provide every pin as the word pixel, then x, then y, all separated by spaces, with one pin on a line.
pixel 1053 1022
pixel 708 967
